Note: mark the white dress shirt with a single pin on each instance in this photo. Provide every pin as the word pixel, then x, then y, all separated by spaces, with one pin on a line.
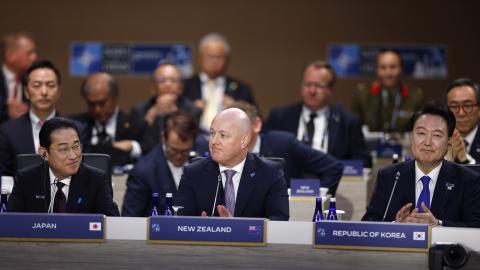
pixel 54 188
pixel 36 126
pixel 236 178
pixel 320 136
pixel 176 171
pixel 111 130
pixel 10 80
pixel 258 144
pixel 433 181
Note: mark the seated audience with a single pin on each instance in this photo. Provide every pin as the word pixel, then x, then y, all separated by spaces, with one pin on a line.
pixel 319 124
pixel 61 184
pixel 247 185
pixel 388 103
pixel 428 188
pixel 299 158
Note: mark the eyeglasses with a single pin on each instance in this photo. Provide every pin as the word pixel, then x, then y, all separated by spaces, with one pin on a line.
pixel 466 107
pixel 64 151
pixel 315 85
pixel 174 152
pixel 163 79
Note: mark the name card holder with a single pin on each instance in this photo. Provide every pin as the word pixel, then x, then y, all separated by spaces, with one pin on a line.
pixel 214 231
pixel 383 236
pixel 352 170
pixel 300 187
pixel 52 227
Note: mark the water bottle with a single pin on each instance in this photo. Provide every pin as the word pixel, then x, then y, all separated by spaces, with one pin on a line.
pixel 332 210
pixel 168 205
pixel 3 201
pixel 154 204
pixel 318 214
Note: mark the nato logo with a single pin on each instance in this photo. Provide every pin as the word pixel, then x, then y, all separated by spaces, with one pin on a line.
pixel 155 227
pixel 321 232
pixel 85 58
pixel 345 59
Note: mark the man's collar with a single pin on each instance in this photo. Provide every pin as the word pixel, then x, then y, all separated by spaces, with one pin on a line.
pixel 35 119
pixel 204 78
pixel 306 112
pixel 9 75
pixel 257 147
pixel 238 168
pixel 66 180
pixel 471 136
pixel 433 174
pixel 112 119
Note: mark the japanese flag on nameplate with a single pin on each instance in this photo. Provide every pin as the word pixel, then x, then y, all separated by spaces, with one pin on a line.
pixel 95 226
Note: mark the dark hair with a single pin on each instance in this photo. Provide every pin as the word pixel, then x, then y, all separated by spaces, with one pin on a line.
pixel 318 64
pixel 112 85
pixel 463 82
pixel 38 65
pixel 389 50
pixel 182 123
pixel 433 108
pixel 50 126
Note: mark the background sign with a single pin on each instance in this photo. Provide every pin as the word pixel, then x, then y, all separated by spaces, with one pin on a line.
pixel 419 62
pixel 372 235
pixel 127 58
pixel 352 167
pixel 52 227
pixel 304 187
pixel 207 231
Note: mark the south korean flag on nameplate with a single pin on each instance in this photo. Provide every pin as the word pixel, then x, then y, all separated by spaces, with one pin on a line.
pixel 419 236
pixel 95 226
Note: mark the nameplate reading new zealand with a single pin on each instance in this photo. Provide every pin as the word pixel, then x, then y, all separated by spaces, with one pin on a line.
pixel 207 231
pixel 300 187
pixel 52 227
pixel 372 236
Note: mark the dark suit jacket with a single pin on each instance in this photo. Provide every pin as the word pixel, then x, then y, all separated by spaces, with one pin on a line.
pixel 16 138
pixel 234 88
pixel 301 158
pixel 262 191
pixel 150 174
pixel 475 147
pixel 458 206
pixel 140 109
pixel 31 191
pixel 128 128
pixel 3 97
pixel 345 137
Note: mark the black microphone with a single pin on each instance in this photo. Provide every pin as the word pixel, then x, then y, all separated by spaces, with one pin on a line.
pixel 219 180
pixel 397 176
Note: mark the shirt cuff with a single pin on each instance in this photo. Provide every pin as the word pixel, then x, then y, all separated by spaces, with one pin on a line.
pixel 136 150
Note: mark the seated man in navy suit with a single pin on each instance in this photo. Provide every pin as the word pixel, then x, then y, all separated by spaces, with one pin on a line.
pixel 61 184
pixel 233 182
pixel 160 171
pixel 428 189
pixel 299 158
pixel 41 83
pixel 316 122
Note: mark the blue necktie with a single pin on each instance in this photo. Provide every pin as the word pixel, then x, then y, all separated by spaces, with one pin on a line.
pixel 230 191
pixel 425 194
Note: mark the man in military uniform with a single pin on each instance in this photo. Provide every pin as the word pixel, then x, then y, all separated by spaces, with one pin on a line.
pixel 387 104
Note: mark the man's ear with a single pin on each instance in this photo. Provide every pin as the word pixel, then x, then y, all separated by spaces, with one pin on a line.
pixel 25 92
pixel 43 153
pixel 245 141
pixel 257 126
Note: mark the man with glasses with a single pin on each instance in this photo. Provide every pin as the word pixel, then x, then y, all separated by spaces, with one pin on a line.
pixel 167 90
pixel 61 184
pixel 462 98
pixel 316 122
pixel 160 171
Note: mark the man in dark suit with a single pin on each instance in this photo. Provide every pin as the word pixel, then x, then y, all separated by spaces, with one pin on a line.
pixel 167 97
pixel 462 98
pixel 428 189
pixel 238 183
pixel 18 53
pixel 211 89
pixel 299 158
pixel 42 83
pixel 109 129
pixel 161 169
pixel 61 184
pixel 315 122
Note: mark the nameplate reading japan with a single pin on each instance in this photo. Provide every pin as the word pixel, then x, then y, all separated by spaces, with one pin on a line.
pixel 207 231
pixel 304 187
pixel 52 227
pixel 372 236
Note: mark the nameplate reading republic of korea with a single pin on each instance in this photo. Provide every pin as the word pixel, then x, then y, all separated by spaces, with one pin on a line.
pixel 207 231
pixel 372 236
pixel 52 227
pixel 300 187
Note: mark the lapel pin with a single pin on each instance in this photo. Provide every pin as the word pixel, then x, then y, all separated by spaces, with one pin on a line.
pixel 252 174
pixel 79 200
pixel 39 196
pixel 449 186
pixel 126 125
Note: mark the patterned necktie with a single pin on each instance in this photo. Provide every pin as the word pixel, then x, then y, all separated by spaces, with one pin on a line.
pixel 60 201
pixel 230 191
pixel 425 194
pixel 16 87
pixel 311 128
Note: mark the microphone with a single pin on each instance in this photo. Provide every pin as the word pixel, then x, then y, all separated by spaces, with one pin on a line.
pixel 219 180
pixel 397 176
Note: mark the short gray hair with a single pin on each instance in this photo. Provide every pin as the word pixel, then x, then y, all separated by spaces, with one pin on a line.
pixel 215 37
